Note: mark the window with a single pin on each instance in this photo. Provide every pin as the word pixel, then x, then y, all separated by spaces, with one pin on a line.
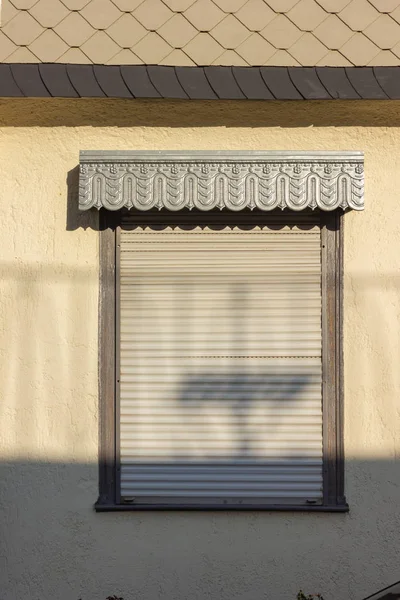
pixel 220 356
pixel 221 327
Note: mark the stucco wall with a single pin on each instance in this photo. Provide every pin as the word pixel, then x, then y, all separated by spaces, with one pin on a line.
pixel 53 544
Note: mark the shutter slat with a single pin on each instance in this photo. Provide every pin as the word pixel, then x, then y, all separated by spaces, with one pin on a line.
pixel 220 364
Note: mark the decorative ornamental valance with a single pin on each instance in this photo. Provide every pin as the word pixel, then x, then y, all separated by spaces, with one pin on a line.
pixel 230 180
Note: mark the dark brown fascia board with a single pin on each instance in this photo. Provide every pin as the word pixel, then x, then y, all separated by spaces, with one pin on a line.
pixel 199 83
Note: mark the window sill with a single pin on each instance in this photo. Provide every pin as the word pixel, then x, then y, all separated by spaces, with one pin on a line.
pixel 337 508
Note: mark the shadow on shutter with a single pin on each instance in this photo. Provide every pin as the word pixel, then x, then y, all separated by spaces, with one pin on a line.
pixel 220 365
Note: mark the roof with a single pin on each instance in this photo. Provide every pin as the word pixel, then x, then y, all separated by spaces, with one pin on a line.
pixel 198 83
pixel 290 33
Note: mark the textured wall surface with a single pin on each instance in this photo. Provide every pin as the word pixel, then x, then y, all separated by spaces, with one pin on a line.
pixel 53 544
pixel 202 32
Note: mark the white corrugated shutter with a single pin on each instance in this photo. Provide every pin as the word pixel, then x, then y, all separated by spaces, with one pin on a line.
pixel 220 365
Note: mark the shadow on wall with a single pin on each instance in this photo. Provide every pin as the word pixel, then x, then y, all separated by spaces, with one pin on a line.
pixel 103 112
pixel 53 545
pixel 76 219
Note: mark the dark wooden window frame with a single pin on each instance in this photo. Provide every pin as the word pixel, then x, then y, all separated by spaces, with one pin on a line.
pixel 332 358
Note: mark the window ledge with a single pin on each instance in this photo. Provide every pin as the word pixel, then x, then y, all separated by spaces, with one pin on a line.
pixel 337 508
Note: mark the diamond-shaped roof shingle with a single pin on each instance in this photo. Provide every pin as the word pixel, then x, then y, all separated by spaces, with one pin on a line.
pixel 202 32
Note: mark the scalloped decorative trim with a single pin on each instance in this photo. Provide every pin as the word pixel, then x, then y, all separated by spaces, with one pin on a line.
pixel 224 180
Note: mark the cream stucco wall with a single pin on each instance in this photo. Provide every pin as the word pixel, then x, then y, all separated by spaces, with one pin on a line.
pixel 53 544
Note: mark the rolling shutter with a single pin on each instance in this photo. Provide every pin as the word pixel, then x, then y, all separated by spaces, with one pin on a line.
pixel 220 365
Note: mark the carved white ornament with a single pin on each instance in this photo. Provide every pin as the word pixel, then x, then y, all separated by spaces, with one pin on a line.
pixel 234 181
